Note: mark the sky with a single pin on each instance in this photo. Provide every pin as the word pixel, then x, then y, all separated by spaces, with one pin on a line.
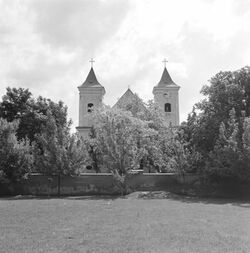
pixel 46 45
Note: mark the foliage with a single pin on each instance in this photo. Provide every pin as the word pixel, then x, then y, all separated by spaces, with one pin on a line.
pixel 217 126
pixel 57 151
pixel 225 159
pixel 227 90
pixel 121 139
pixel 214 141
pixel 93 153
pixel 15 156
pixel 182 157
pixel 120 142
pixel 43 123
pixel 31 113
pixel 246 148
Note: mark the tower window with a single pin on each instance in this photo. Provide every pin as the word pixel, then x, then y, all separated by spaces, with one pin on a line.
pixel 90 107
pixel 167 107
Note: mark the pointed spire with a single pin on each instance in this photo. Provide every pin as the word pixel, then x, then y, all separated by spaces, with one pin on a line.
pixel 91 79
pixel 165 79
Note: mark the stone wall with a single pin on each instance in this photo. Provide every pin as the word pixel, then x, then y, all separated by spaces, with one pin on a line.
pixel 88 184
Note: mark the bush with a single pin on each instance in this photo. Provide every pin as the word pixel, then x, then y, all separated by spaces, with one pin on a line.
pixel 230 157
pixel 15 156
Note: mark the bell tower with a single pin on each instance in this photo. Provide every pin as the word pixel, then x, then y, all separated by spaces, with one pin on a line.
pixel 91 94
pixel 166 95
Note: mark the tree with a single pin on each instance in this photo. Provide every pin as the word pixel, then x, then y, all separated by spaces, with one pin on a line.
pixel 179 156
pixel 150 113
pixel 225 160
pixel 120 143
pixel 217 126
pixel 15 103
pixel 227 90
pixel 121 138
pixel 18 104
pixel 15 156
pixel 57 152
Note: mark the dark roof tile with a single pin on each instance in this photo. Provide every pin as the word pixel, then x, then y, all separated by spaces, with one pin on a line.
pixel 165 79
pixel 91 79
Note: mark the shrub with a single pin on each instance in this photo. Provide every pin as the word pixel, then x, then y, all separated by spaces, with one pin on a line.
pixel 15 156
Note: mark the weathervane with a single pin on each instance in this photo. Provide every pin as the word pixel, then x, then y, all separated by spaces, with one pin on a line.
pixel 91 61
pixel 165 61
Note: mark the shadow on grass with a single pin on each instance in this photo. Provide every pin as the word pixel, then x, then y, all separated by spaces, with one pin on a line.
pixel 240 201
pixel 154 195
pixel 87 197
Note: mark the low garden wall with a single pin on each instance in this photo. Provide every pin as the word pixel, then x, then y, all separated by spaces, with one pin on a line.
pixel 88 184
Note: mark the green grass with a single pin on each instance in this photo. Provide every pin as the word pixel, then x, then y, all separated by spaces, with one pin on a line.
pixel 124 225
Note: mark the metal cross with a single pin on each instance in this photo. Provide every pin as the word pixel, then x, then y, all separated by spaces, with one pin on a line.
pixel 91 61
pixel 165 61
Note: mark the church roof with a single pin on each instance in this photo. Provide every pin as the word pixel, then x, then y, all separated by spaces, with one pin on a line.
pixel 91 79
pixel 165 79
pixel 126 98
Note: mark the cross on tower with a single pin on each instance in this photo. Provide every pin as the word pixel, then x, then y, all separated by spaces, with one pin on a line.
pixel 165 61
pixel 91 61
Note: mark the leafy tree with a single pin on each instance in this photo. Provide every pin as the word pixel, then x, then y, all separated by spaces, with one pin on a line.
pixel 227 90
pixel 225 161
pixel 155 157
pixel 18 104
pixel 120 143
pixel 57 151
pixel 15 156
pixel 15 103
pixel 217 126
pixel 121 139
pixel 181 157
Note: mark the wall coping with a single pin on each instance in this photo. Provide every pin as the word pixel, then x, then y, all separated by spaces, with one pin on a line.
pixel 110 174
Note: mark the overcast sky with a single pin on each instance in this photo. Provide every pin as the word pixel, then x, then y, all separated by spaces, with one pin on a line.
pixel 45 45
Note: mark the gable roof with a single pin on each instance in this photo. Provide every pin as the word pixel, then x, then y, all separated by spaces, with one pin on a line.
pixel 125 99
pixel 130 101
pixel 165 79
pixel 91 79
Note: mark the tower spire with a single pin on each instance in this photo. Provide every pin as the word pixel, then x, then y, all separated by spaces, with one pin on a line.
pixel 91 79
pixel 165 78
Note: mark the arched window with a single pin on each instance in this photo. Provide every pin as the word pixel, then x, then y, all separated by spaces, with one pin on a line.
pixel 90 107
pixel 167 107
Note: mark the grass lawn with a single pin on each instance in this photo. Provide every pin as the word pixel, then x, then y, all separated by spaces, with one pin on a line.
pixel 132 224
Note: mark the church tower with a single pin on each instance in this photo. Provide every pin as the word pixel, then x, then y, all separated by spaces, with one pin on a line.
pixel 167 97
pixel 91 94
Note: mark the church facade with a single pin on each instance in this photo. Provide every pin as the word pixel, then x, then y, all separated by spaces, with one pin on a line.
pixel 91 93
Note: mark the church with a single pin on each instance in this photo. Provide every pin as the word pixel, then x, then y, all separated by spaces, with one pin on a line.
pixel 91 93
